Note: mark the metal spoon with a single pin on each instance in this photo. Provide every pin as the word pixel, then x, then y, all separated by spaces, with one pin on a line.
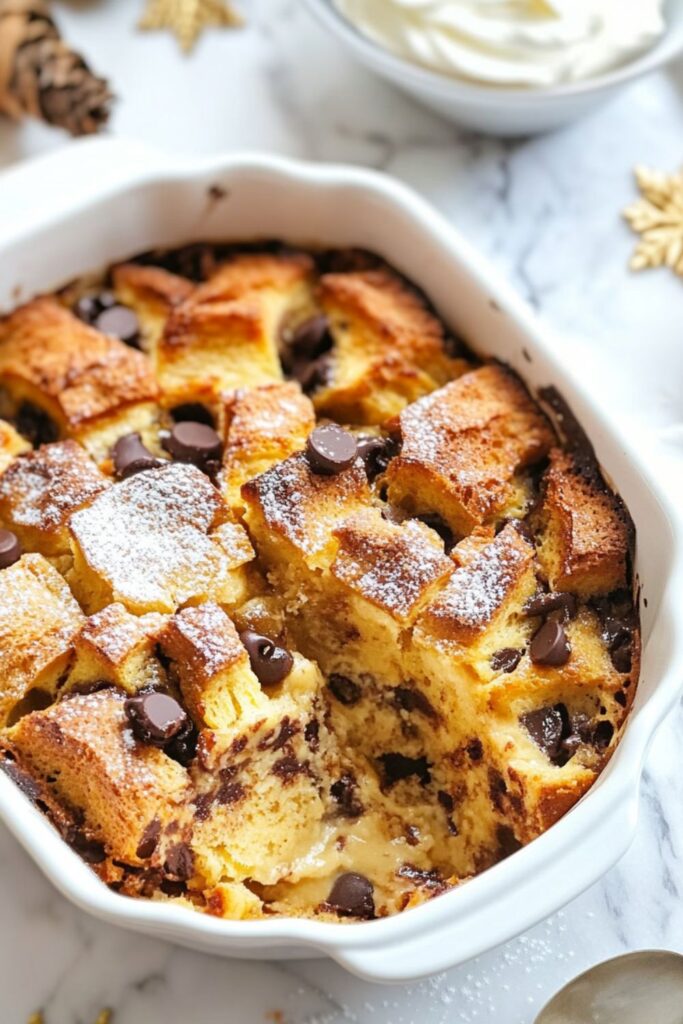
pixel 638 988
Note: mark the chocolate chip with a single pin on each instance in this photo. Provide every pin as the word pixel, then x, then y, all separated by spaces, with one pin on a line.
pixel 344 792
pixel 230 793
pixel 91 850
pixel 180 861
pixel 331 449
pixel 194 411
pixel 87 308
pixel 269 662
pixel 622 657
pixel 149 840
pixel 10 549
pixel 194 443
pixel 183 746
pixel 315 375
pixel 444 531
pixel 288 768
pixel 35 425
pixel 508 843
pixel 545 726
pixel 352 896
pixel 446 800
pixel 506 659
pixel 344 689
pixel 131 456
pixel 120 322
pixel 376 453
pixel 544 604
pixel 309 340
pixel 396 767
pixel 155 717
pixel 550 645
pixel 602 735
pixel 475 749
pixel 409 699
pixel 312 734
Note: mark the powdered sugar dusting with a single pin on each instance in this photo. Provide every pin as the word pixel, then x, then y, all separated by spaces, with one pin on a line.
pixel 476 591
pixel 305 507
pixel 147 538
pixel 211 636
pixel 392 566
pixel 42 488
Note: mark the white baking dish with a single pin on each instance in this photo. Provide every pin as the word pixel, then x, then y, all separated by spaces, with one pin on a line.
pixel 101 201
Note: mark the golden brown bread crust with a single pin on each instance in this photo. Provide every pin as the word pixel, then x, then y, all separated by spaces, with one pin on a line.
pixel 117 647
pixel 40 491
pixel 389 348
pixel 302 507
pixel 584 532
pixel 260 426
pixel 246 273
pixel 38 622
pixel 152 292
pixel 394 567
pixel 85 746
pixel 51 358
pixel 478 592
pixel 462 446
pixel 211 666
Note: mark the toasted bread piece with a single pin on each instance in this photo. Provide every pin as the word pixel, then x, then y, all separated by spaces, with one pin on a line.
pixel 38 622
pixel 211 666
pixel 225 335
pixel 40 491
pixel 395 568
pixel 118 648
pixel 157 541
pixel 494 583
pixel 584 533
pixel 11 445
pixel 261 426
pixel 292 511
pixel 152 292
pixel 388 347
pixel 80 378
pixel 462 447
pixel 84 748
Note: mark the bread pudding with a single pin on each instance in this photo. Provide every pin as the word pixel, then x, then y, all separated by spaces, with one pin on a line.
pixel 305 609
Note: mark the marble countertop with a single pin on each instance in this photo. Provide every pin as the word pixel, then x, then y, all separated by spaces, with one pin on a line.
pixel 547 212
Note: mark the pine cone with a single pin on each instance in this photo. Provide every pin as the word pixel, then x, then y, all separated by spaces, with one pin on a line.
pixel 40 76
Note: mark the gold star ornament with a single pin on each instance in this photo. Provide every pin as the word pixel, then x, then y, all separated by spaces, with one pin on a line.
pixel 658 218
pixel 188 18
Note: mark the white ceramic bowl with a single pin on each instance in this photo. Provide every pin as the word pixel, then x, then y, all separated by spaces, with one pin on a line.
pixel 96 202
pixel 502 111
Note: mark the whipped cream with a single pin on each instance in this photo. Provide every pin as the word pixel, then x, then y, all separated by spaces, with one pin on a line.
pixel 524 43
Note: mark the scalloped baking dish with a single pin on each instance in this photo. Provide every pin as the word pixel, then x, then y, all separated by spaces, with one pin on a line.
pixel 97 202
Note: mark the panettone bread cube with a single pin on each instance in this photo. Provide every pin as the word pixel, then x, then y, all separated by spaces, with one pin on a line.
pixel 226 334
pixel 39 619
pixel 333 619
pixel 211 666
pixel 463 448
pixel 292 511
pixel 84 749
pixel 11 444
pixel 149 543
pixel 261 426
pixel 41 489
pixel 117 647
pixel 388 350
pixel 84 381
pixel 584 533
pixel 152 292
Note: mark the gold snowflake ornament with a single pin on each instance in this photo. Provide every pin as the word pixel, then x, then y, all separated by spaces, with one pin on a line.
pixel 187 18
pixel 658 218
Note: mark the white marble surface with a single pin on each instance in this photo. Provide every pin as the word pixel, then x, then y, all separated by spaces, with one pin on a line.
pixel 547 212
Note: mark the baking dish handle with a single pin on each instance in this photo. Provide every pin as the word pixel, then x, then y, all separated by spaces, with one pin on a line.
pixel 432 950
pixel 33 192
